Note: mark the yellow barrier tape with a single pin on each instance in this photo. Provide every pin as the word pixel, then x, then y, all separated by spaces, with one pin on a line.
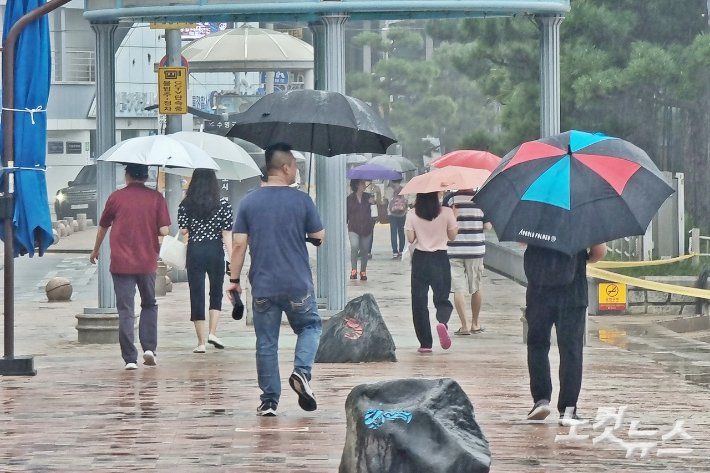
pixel 634 264
pixel 654 286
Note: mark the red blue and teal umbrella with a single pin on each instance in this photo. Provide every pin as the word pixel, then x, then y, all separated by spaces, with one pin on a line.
pixel 573 190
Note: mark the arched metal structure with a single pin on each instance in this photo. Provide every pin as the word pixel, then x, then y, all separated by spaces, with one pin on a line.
pixel 327 20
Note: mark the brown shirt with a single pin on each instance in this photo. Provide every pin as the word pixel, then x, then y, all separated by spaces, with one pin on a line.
pixel 359 218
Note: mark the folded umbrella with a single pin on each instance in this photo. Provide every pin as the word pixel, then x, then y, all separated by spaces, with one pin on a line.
pixel 373 171
pixel 444 179
pixel 159 150
pixel 325 123
pixel 571 191
pixel 468 158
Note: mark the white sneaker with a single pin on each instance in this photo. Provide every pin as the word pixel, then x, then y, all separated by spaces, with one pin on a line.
pixel 215 341
pixel 199 349
pixel 131 366
pixel 149 358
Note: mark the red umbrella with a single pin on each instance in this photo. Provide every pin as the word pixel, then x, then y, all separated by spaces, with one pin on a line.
pixel 468 158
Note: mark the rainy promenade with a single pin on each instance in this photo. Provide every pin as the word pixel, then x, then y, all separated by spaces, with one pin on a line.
pixel 196 412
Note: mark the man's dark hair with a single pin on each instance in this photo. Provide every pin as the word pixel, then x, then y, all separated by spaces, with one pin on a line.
pixel 354 183
pixel 427 206
pixel 271 164
pixel 137 171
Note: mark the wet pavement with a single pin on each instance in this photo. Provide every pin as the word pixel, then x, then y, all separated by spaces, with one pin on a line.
pixel 197 412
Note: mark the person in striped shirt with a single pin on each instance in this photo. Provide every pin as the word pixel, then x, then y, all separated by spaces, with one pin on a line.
pixel 466 254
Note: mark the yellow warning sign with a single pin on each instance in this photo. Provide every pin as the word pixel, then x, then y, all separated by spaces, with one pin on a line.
pixel 612 296
pixel 172 90
pixel 171 26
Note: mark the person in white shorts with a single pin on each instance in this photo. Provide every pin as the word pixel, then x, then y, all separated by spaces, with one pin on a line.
pixel 466 254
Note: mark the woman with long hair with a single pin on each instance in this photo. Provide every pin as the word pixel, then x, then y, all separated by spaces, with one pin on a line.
pixel 429 227
pixel 359 226
pixel 206 220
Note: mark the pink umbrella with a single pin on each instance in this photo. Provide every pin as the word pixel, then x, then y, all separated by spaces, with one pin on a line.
pixel 448 178
pixel 468 158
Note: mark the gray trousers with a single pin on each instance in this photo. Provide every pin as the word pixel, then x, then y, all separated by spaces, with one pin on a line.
pixel 125 287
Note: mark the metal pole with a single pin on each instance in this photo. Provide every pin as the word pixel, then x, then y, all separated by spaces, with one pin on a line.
pixel 10 365
pixel 549 74
pixel 105 139
pixel 335 244
pixel 173 182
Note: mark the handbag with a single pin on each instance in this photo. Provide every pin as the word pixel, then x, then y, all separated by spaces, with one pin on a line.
pixel 407 252
pixel 173 252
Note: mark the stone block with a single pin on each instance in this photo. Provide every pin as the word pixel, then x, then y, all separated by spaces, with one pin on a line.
pixel 657 297
pixel 55 235
pixel 58 289
pixel 75 226
pixel 636 296
pixel 689 309
pixel 99 327
pixel 414 425
pixel 356 334
pixel 637 309
pixel 687 281
pixel 664 309
pixel 682 298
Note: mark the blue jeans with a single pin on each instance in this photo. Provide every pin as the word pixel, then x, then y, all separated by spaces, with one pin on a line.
pixel 397 230
pixel 302 314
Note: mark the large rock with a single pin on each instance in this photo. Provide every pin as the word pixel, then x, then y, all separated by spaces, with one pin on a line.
pixel 357 334
pixel 411 426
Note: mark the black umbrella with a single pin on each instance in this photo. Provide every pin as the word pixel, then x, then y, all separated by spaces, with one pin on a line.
pixel 325 123
pixel 573 190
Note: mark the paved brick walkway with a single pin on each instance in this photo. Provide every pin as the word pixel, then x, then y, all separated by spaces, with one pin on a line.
pixel 197 412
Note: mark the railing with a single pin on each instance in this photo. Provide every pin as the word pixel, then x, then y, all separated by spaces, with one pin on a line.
pixel 626 249
pixel 696 241
pixel 78 66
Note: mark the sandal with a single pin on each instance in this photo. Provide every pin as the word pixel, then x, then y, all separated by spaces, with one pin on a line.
pixel 461 331
pixel 480 330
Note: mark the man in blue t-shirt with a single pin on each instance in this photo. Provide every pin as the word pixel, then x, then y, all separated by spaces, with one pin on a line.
pixel 274 221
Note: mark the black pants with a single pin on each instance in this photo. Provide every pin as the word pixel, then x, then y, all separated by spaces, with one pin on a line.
pixel 204 257
pixel 569 325
pixel 430 269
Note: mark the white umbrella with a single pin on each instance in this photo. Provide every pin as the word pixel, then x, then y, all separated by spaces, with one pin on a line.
pixel 159 150
pixel 234 162
pixel 355 159
pixel 398 163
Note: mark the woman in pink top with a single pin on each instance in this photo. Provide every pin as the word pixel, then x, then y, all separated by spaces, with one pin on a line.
pixel 429 227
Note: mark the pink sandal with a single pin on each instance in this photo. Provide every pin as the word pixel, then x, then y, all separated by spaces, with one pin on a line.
pixel 444 337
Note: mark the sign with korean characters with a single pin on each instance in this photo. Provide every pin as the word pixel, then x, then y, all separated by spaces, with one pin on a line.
pixel 612 296
pixel 172 90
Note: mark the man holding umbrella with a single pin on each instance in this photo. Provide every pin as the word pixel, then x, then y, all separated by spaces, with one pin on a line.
pixel 134 259
pixel 556 295
pixel 274 221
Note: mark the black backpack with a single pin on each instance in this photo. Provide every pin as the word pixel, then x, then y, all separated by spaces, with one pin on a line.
pixel 546 267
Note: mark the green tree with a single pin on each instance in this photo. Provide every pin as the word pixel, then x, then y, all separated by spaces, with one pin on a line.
pixel 637 69
pixel 419 98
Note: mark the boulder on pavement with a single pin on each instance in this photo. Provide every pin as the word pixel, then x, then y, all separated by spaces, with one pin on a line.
pixel 58 289
pixel 357 334
pixel 413 425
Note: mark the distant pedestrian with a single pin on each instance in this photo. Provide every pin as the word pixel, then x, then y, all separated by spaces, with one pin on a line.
pixel 556 295
pixel 206 220
pixel 138 216
pixel 429 227
pixel 360 227
pixel 397 206
pixel 274 221
pixel 374 210
pixel 466 254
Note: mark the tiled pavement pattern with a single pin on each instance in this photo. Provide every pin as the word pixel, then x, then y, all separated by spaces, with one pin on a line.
pixel 83 412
